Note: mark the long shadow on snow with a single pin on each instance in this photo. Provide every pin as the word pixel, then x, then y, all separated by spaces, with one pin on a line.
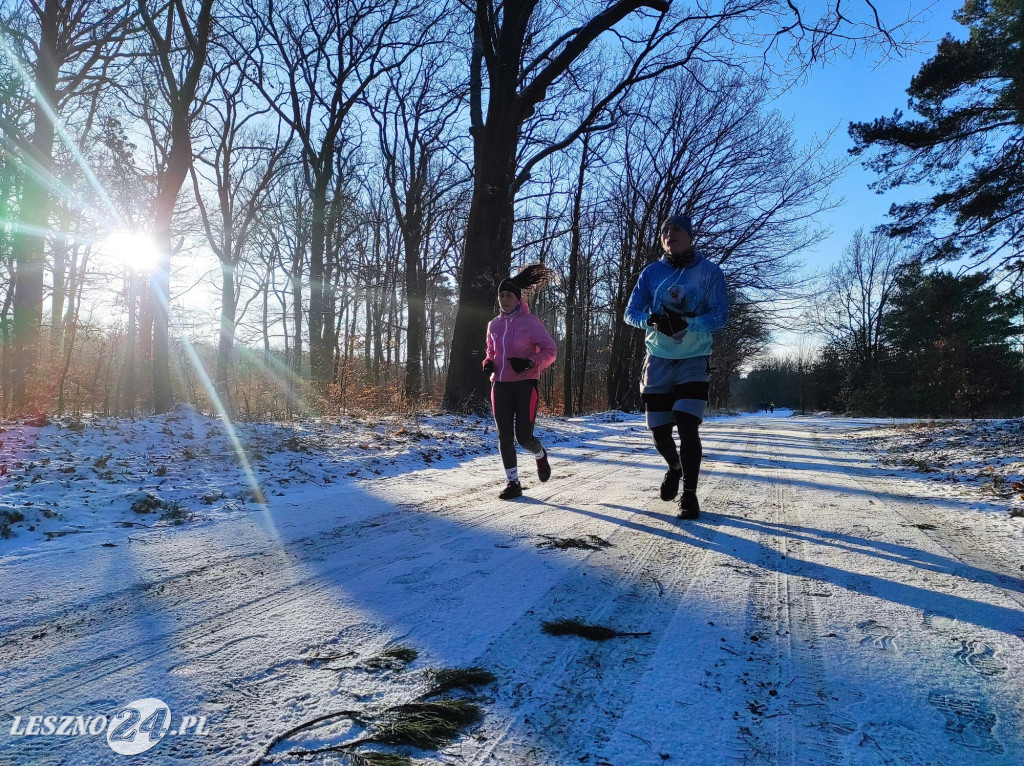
pixel 860 469
pixel 412 576
pixel 708 534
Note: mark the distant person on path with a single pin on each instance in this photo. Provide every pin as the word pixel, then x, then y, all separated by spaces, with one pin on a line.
pixel 679 301
pixel 771 407
pixel 518 348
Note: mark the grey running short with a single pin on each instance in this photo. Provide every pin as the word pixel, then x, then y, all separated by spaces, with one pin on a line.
pixel 668 386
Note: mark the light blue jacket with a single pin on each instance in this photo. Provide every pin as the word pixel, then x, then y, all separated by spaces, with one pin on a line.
pixel 696 291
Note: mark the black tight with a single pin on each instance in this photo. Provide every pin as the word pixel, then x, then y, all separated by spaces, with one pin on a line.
pixel 689 443
pixel 665 443
pixel 515 410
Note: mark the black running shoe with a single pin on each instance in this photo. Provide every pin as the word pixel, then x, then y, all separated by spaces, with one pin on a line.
pixel 543 469
pixel 512 490
pixel 670 484
pixel 689 507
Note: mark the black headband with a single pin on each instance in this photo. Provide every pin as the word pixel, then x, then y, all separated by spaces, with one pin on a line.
pixel 507 285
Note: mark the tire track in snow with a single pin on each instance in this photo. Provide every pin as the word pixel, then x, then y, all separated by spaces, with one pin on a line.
pixel 255 571
pixel 880 570
pixel 263 609
pixel 634 605
pixel 812 712
pixel 788 716
pixel 577 696
pixel 268 598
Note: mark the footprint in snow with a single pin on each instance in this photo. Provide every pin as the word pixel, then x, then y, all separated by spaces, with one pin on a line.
pixel 980 657
pixel 941 622
pixel 419 574
pixel 878 636
pixel 968 723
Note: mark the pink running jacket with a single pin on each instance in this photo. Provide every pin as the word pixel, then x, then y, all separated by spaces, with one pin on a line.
pixel 518 334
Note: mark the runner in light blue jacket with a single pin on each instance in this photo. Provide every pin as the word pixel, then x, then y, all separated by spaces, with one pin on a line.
pixel 679 301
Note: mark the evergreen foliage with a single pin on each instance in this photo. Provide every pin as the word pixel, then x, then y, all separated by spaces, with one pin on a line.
pixel 950 347
pixel 426 725
pixel 588 542
pixel 392 658
pixel 969 140
pixel 467 679
pixel 587 630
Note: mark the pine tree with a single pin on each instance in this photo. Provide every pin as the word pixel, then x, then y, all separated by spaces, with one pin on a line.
pixel 950 340
pixel 969 141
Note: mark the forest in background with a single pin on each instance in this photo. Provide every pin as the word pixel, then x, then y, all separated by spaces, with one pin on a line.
pixel 936 345
pixel 334 189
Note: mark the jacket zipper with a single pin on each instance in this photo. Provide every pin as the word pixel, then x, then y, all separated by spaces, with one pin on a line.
pixel 504 337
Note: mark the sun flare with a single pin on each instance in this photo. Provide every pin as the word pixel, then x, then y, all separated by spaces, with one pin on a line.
pixel 132 249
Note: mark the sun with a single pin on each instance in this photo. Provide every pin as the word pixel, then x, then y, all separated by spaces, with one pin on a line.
pixel 132 249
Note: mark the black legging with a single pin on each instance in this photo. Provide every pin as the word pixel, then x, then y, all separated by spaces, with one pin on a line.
pixel 515 410
pixel 690 446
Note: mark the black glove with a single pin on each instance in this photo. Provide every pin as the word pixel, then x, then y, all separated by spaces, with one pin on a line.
pixel 519 364
pixel 488 366
pixel 667 322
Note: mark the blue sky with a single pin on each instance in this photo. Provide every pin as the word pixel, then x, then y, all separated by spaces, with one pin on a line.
pixel 856 90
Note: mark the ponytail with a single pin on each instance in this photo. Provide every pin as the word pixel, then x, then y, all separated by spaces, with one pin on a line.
pixel 533 277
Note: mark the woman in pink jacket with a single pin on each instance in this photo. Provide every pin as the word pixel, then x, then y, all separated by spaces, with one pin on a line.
pixel 518 348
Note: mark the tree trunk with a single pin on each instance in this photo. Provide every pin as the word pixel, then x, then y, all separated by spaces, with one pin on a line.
pixel 572 286
pixel 586 319
pixel 416 307
pixel 179 161
pixel 71 330
pixel 127 385
pixel 296 284
pixel 61 246
pixel 265 320
pixel 34 215
pixel 627 348
pixel 163 397
pixel 319 347
pixel 486 259
pixel 10 192
pixel 228 309
pixel 369 331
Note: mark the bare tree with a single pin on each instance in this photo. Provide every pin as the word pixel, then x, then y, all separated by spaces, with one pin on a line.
pixel 573 295
pixel 520 71
pixel 415 115
pixel 532 53
pixel 240 159
pixel 67 43
pixel 856 295
pixel 180 32
pixel 15 110
pixel 128 187
pixel 313 61
pixel 282 236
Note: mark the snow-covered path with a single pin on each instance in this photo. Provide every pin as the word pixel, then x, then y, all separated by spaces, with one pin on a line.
pixel 816 613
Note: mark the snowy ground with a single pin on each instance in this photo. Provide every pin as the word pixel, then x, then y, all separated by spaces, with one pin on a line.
pixel 852 592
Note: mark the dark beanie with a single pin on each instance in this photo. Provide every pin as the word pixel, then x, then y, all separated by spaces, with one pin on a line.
pixel 507 285
pixel 682 221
